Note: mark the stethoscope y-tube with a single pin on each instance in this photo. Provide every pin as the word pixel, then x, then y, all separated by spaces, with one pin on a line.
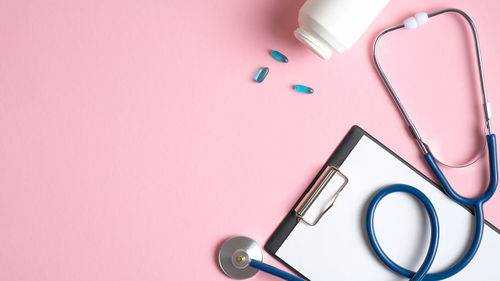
pixel 476 204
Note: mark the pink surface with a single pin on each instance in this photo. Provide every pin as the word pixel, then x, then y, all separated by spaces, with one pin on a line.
pixel 134 140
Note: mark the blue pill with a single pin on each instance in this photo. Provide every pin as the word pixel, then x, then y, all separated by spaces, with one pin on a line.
pixel 279 56
pixel 261 74
pixel 304 89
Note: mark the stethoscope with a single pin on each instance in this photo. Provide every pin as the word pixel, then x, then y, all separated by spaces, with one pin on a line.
pixel 241 257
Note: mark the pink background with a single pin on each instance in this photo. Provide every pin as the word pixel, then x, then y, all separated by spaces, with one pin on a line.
pixel 134 141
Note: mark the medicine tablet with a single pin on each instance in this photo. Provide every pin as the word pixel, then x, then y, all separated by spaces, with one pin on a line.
pixel 279 56
pixel 261 74
pixel 304 89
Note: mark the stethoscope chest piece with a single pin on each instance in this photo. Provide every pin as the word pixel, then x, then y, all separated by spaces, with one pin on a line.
pixel 235 255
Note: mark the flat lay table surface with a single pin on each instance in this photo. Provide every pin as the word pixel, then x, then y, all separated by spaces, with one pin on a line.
pixel 134 140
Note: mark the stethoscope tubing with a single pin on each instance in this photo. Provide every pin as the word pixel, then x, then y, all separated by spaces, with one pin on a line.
pixel 476 204
pixel 493 169
pixel 370 227
pixel 274 271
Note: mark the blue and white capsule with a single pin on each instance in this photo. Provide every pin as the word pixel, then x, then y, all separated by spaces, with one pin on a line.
pixel 279 56
pixel 304 89
pixel 261 74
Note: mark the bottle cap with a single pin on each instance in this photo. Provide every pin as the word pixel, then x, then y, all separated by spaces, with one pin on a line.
pixel 319 46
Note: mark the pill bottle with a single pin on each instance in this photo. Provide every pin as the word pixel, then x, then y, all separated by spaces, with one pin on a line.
pixel 328 26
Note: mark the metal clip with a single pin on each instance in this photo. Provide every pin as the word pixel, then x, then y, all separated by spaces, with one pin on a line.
pixel 316 190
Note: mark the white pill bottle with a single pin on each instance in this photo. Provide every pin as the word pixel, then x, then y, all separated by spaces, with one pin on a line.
pixel 328 26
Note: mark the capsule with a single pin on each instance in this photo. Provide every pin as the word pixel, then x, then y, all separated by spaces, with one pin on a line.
pixel 304 89
pixel 279 56
pixel 261 74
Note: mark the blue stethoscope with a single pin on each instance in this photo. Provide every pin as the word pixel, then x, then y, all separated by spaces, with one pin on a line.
pixel 241 257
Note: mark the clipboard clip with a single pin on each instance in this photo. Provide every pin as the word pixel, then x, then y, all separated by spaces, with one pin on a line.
pixel 311 196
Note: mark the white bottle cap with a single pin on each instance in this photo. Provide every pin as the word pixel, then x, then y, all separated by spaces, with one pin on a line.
pixel 319 46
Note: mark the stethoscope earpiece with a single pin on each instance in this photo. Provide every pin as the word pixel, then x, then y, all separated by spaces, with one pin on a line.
pixel 235 256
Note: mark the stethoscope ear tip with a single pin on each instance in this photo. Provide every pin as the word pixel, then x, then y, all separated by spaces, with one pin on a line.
pixel 235 255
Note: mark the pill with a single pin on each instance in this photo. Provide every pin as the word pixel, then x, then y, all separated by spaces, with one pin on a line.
pixel 304 89
pixel 279 56
pixel 261 74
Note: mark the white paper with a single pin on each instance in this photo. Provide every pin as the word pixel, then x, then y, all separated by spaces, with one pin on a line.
pixel 337 248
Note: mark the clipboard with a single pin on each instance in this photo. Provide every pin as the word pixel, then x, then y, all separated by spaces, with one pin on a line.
pixel 323 236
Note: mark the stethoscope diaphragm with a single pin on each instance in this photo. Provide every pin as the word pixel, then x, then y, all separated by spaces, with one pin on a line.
pixel 235 256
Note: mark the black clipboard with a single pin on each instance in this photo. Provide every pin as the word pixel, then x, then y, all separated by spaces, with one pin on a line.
pixel 336 159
